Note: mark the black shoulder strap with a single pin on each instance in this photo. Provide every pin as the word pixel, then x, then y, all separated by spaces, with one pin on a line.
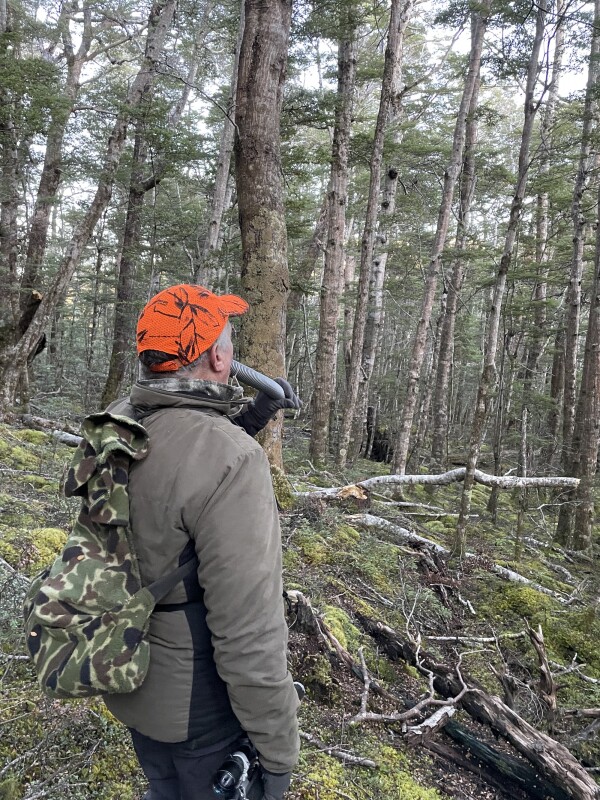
pixel 163 585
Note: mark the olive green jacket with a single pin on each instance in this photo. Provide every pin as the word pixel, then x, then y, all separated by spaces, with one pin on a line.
pixel 218 653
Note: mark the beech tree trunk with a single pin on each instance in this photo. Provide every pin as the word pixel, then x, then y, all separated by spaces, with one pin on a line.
pixel 587 419
pixel 564 528
pixel 450 178
pixel 374 323
pixel 333 271
pixel 457 274
pixel 488 377
pixel 14 358
pixel 400 10
pixel 265 276
pixel 52 169
pixel 219 196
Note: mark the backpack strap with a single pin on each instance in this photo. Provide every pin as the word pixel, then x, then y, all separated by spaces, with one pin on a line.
pixel 163 585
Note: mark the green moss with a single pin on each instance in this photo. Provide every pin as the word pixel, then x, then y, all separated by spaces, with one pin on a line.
pixel 10 789
pixel 321 778
pixel 313 546
pixel 347 634
pixel 284 492
pixel 576 632
pixel 344 536
pixel 33 437
pixel 523 601
pixel 17 457
pixel 394 779
pixel 31 550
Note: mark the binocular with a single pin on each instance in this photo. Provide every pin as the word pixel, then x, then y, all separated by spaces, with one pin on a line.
pixel 239 776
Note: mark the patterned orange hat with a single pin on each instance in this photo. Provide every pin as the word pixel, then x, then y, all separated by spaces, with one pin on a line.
pixel 185 321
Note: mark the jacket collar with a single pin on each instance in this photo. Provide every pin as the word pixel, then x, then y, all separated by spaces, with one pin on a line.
pixel 154 395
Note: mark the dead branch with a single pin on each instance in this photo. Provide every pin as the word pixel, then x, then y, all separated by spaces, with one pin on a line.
pixel 548 755
pixel 445 479
pixel 348 758
pixel 548 686
pixel 416 733
pixel 594 713
pixel 369 521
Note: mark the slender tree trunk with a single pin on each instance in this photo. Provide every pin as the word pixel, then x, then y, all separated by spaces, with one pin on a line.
pixel 564 528
pixel 557 382
pixel 124 320
pixel 450 178
pixel 375 306
pixel 265 276
pixel 444 363
pixel 538 335
pixel 219 196
pixel 587 419
pixel 400 11
pixel 53 158
pixel 488 377
pixel 333 271
pixel 15 358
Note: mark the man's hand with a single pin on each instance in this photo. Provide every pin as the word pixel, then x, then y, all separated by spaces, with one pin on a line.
pixel 276 785
pixel 263 408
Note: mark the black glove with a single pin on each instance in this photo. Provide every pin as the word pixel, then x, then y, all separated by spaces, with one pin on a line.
pixel 276 785
pixel 263 408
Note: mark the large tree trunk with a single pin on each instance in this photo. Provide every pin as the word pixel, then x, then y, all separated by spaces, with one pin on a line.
pixel 333 271
pixel 488 377
pixel 15 358
pixel 450 178
pixel 265 276
pixel 400 11
pixel 564 529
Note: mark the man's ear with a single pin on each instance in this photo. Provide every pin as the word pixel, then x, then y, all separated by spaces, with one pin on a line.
pixel 215 357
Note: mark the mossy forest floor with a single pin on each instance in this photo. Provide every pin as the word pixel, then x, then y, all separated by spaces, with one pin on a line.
pixel 76 750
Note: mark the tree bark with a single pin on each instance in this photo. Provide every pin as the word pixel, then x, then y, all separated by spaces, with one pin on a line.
pixel 265 276
pixel 488 376
pixel 52 170
pixel 450 178
pixel 333 271
pixel 400 11
pixel 564 528
pixel 219 195
pixel 446 350
pixel 584 457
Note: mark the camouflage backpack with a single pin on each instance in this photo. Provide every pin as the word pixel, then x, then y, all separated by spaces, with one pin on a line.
pixel 87 614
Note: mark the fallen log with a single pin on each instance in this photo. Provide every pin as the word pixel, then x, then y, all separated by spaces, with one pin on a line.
pixel 369 521
pixel 549 756
pixel 445 479
pixel 516 773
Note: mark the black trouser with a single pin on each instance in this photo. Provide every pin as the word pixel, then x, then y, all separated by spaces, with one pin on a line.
pixel 178 771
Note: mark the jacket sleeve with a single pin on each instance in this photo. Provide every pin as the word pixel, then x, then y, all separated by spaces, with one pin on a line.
pixel 238 543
